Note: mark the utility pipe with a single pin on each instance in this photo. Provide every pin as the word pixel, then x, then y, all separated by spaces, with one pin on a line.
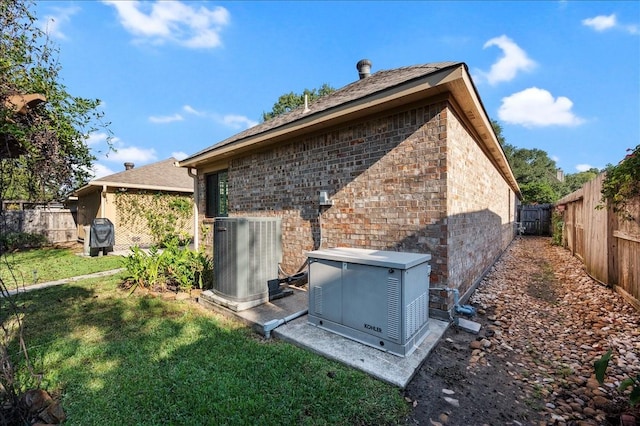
pixel 273 324
pixel 460 309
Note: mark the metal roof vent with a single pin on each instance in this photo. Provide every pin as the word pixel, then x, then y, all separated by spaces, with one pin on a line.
pixel 364 68
pixel 128 166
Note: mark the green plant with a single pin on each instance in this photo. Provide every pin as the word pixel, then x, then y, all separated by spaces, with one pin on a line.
pixel 136 266
pixel 557 226
pixel 47 142
pixel 565 371
pixel 175 266
pixel 162 214
pixel 21 240
pixel 622 184
pixel 600 367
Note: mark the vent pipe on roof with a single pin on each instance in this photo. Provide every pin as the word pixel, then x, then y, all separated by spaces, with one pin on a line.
pixel 306 104
pixel 364 68
pixel 128 166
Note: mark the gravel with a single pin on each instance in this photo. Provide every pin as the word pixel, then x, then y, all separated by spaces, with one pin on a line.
pixel 544 323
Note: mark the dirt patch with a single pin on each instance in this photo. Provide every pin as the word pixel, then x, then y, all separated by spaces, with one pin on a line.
pixel 543 323
pixel 451 388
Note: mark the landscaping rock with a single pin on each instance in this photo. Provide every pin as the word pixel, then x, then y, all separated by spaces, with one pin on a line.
pixel 550 322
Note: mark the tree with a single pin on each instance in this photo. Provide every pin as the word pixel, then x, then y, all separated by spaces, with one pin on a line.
pixel 534 171
pixel 43 154
pixel 290 101
pixel 44 150
pixel 575 181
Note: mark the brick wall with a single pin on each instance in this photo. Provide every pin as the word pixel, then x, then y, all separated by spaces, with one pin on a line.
pixel 481 212
pixel 387 179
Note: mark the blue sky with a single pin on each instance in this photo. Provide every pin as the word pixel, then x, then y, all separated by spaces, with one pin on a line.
pixel 177 77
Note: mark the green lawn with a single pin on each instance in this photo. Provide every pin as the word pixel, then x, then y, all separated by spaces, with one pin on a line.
pixel 50 264
pixel 147 361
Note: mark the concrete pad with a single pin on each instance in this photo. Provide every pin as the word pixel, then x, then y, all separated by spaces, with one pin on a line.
pixel 258 316
pixel 382 365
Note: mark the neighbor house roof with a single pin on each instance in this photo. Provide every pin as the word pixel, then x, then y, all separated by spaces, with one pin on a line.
pixel 161 176
pixel 378 92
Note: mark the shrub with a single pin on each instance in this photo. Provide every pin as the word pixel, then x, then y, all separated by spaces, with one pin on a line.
pixel 176 267
pixel 622 183
pixel 557 225
pixel 21 241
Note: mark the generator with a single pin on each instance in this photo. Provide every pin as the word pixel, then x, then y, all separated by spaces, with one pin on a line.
pixel 379 298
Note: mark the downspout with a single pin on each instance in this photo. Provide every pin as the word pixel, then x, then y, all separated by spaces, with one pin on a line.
pixel 103 203
pixel 196 233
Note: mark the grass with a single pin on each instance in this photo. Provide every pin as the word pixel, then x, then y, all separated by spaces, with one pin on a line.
pixel 143 360
pixel 51 264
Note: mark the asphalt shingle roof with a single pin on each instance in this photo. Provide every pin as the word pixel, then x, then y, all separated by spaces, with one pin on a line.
pixel 161 174
pixel 376 82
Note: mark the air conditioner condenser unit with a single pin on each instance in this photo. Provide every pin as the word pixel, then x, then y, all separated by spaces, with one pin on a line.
pixel 246 254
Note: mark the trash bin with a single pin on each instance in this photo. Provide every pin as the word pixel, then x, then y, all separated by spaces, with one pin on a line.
pixel 102 236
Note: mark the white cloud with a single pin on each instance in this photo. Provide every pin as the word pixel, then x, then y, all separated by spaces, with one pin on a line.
pixel 52 24
pixel 555 158
pixel 536 107
pixel 632 29
pixel 230 120
pixel 189 109
pixel 96 138
pixel 134 155
pixel 173 21
pixel 238 121
pixel 513 60
pixel 179 155
pixel 603 23
pixel 166 118
pixel 100 170
pixel 583 167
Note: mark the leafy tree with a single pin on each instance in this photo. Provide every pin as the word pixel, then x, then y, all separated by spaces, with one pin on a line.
pixel 497 128
pixel 575 181
pixel 534 171
pixel 43 154
pixel 44 150
pixel 290 101
pixel 538 193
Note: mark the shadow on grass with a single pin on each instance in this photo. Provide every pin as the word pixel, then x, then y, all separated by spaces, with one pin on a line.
pixel 144 360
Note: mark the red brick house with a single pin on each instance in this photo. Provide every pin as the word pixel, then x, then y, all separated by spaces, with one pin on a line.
pixel 408 159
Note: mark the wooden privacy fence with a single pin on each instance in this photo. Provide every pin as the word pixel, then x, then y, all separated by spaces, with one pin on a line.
pixel 57 225
pixel 608 245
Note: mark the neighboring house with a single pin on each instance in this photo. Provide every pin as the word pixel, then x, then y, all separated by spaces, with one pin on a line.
pixel 409 161
pixel 127 197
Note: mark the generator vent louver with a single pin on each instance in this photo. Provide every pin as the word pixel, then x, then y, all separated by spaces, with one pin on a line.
pixel 393 307
pixel 246 254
